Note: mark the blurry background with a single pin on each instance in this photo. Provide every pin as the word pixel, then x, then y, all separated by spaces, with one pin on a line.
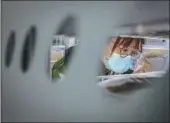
pixel 31 96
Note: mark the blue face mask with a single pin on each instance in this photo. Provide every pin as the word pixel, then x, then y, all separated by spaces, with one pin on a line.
pixel 119 64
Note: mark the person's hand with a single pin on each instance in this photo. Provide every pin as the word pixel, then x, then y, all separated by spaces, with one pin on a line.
pixel 138 68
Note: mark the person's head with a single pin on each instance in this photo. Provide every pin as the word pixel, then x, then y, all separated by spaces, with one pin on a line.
pixel 128 45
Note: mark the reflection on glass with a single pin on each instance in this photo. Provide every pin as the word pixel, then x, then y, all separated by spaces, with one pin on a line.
pixel 128 59
pixel 61 52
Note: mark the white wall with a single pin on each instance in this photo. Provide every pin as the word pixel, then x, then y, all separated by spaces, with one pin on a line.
pixel 32 97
